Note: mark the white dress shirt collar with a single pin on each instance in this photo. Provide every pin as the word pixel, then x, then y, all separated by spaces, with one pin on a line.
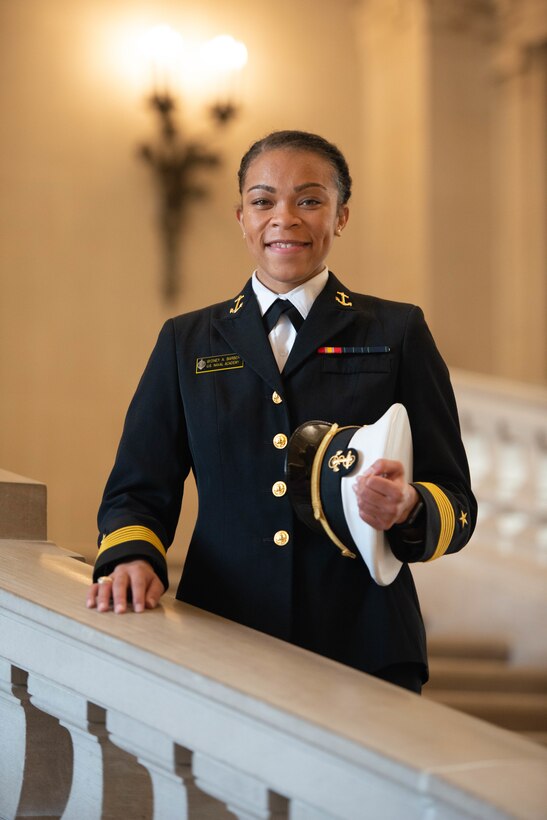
pixel 302 296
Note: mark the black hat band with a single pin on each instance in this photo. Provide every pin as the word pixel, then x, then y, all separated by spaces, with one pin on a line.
pixel 316 482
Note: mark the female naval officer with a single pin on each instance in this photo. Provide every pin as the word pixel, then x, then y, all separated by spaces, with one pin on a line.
pixel 224 389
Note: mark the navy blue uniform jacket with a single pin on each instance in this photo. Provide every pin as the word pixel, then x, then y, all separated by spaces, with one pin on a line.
pixel 212 400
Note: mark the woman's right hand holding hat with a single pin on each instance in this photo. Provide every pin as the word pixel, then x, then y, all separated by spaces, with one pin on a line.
pixel 384 496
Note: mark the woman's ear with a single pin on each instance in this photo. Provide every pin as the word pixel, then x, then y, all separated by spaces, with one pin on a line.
pixel 239 217
pixel 341 222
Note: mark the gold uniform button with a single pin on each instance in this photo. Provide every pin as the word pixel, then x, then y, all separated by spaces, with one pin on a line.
pixel 280 441
pixel 281 538
pixel 276 398
pixel 279 489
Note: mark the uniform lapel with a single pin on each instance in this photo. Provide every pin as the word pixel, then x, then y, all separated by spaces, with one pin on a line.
pixel 331 313
pixel 242 328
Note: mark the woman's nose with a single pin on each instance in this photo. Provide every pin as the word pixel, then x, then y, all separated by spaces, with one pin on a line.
pixel 285 216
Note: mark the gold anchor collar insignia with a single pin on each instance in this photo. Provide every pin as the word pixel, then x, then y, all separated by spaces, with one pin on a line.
pixel 343 299
pixel 238 303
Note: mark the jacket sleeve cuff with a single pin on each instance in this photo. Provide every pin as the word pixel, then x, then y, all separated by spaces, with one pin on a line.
pixel 443 526
pixel 129 544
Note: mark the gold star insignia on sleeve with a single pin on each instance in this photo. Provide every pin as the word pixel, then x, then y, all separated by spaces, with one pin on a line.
pixel 463 519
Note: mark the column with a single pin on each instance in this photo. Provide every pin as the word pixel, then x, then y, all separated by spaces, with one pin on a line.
pixel 520 192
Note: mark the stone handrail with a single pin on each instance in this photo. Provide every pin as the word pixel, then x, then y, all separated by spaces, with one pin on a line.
pixel 179 713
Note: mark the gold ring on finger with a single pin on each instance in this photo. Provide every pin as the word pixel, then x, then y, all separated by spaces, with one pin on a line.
pixel 105 579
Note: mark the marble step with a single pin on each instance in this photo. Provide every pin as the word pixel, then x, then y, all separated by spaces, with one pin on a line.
pixel 462 674
pixel 520 712
pixel 536 737
pixel 493 647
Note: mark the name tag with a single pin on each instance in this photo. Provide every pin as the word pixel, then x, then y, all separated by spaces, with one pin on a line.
pixel 210 364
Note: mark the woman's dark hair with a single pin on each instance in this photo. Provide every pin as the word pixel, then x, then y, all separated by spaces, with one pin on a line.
pixel 301 141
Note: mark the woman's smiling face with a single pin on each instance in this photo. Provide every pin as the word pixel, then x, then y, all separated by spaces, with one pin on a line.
pixel 290 215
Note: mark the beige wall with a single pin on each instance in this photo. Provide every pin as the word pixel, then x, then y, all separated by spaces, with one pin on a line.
pixel 80 305
pixel 461 231
pixel 455 190
pixel 79 259
pixel 394 66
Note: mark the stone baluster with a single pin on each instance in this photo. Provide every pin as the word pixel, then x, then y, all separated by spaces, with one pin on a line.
pixel 175 794
pixel 510 517
pixel 508 461
pixel 106 783
pixel 505 475
pixel 531 496
pixel 175 787
pixel 13 696
pixel 303 811
pixel 246 796
pixel 32 781
pixel 540 452
pixel 482 446
pixel 201 806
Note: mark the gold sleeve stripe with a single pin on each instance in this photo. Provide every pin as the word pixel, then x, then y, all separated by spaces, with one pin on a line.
pixel 134 533
pixel 448 518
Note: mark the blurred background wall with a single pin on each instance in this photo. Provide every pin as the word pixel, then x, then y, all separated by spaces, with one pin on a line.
pixel 439 106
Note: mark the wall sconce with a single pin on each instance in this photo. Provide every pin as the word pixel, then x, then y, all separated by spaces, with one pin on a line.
pixel 174 159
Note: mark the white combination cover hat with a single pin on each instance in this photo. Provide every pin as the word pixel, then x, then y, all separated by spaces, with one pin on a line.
pixel 323 462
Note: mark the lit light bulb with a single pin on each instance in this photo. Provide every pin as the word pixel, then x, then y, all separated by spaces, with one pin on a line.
pixel 163 48
pixel 223 59
pixel 224 54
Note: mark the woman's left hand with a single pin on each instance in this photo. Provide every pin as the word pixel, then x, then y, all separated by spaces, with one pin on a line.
pixel 384 496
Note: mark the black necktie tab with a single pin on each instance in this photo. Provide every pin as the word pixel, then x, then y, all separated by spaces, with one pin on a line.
pixel 279 307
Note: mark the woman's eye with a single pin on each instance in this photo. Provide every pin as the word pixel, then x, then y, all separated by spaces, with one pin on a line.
pixel 310 202
pixel 261 203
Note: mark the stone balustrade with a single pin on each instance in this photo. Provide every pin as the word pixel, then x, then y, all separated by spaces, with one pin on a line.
pixel 178 713
pixel 496 587
pixel 504 426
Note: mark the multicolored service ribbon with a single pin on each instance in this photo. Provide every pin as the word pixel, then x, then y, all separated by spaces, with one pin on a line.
pixel 336 350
